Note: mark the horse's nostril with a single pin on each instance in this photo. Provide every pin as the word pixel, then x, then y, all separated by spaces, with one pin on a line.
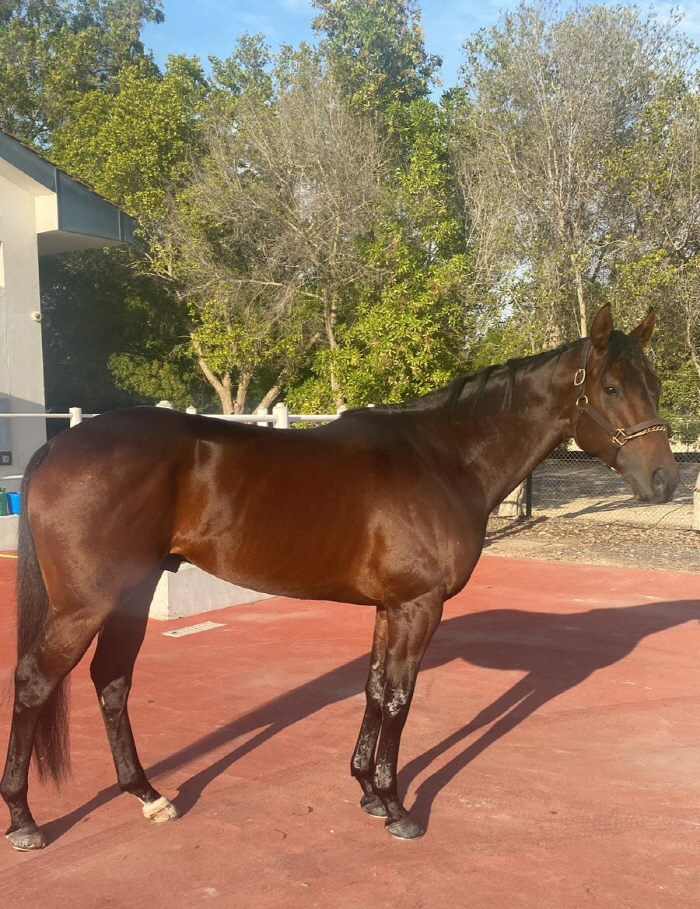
pixel 658 481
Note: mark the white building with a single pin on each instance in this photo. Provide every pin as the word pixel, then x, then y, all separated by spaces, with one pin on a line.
pixel 43 211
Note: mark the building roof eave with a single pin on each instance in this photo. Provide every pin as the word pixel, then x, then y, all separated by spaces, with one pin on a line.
pixel 83 216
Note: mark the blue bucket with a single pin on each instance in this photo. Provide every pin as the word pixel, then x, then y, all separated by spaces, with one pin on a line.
pixel 13 502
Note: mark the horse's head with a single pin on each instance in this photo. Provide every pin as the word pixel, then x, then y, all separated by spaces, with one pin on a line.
pixel 616 416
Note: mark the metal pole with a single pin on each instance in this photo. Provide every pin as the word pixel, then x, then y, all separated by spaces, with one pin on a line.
pixel 528 497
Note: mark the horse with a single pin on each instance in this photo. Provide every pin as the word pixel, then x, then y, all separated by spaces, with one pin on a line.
pixel 385 507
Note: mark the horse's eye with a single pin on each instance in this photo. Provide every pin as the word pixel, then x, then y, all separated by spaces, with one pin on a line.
pixel 610 389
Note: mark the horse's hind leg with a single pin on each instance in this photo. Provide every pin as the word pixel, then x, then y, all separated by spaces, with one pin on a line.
pixel 39 702
pixel 362 763
pixel 411 627
pixel 111 670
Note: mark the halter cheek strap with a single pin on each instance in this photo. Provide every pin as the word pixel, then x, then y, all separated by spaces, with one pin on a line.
pixel 619 437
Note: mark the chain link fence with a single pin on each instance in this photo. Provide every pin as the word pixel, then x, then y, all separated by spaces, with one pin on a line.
pixel 570 484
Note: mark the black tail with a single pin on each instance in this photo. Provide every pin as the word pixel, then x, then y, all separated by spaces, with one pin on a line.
pixel 51 738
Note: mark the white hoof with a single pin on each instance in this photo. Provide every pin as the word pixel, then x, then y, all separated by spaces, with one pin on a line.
pixel 160 811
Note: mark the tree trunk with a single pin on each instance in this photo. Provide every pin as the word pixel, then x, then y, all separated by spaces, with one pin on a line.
pixel 222 386
pixel 223 389
pixel 274 391
pixel 583 320
pixel 242 390
pixel 689 340
pixel 330 317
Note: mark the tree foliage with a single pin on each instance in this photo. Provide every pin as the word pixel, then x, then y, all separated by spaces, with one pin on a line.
pixel 553 104
pixel 51 51
pixel 314 225
pixel 266 234
pixel 376 51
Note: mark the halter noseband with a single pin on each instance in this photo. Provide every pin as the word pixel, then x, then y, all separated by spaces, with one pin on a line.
pixel 619 437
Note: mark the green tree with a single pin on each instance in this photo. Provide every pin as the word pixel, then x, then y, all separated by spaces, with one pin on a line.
pixel 266 234
pixel 375 50
pixel 133 144
pixel 51 51
pixel 404 329
pixel 110 338
pixel 552 101
pixel 409 322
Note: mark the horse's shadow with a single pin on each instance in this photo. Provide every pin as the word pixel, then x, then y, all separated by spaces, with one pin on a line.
pixel 557 652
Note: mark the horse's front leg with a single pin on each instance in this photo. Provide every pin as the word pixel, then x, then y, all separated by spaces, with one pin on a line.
pixel 410 628
pixel 362 763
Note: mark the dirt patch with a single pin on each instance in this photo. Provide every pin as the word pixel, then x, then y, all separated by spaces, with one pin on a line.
pixel 629 546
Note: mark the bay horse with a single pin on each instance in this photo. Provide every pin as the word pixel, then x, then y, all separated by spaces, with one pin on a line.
pixel 387 506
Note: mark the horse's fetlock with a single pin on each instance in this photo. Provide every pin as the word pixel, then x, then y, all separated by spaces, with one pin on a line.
pixel 384 782
pixel 362 768
pixel 397 703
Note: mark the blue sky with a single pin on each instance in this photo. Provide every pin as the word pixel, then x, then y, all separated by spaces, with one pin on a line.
pixel 205 27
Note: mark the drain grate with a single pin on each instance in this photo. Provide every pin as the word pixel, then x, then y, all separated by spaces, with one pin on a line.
pixel 192 629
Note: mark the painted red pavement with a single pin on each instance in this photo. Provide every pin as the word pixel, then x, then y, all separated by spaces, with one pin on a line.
pixel 577 783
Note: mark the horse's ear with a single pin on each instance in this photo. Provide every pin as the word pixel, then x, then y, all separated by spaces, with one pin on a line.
pixel 643 332
pixel 602 327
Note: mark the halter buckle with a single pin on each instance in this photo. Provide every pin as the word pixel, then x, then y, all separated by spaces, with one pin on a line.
pixel 621 438
pixel 580 376
pixel 582 400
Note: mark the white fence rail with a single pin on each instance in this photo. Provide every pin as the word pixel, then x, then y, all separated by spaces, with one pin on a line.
pixel 279 417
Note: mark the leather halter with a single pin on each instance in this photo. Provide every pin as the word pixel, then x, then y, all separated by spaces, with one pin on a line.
pixel 619 437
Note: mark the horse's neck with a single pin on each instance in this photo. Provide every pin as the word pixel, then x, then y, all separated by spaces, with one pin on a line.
pixel 502 446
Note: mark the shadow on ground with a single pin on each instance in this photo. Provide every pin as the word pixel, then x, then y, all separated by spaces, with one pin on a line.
pixel 557 652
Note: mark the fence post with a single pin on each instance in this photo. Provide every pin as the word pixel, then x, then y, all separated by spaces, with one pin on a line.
pixel 190 409
pixel 76 415
pixel 165 404
pixel 513 506
pixel 696 505
pixel 263 412
pixel 281 414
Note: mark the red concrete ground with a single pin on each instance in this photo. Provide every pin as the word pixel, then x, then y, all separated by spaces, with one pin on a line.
pixel 553 748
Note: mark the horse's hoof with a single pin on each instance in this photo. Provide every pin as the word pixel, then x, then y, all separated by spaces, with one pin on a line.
pixel 405 829
pixel 26 838
pixel 160 811
pixel 372 804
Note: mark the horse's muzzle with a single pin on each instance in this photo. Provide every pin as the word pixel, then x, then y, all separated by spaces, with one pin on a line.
pixel 661 487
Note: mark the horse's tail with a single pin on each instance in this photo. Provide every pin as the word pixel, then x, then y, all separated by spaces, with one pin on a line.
pixel 51 737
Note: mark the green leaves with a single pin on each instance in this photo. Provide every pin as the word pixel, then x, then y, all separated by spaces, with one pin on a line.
pixel 51 51
pixel 136 142
pixel 375 50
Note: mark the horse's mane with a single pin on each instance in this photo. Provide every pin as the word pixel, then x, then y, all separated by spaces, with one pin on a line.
pixel 470 388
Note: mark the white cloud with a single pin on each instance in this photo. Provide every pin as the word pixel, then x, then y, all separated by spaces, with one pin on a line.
pixel 297 6
pixel 690 16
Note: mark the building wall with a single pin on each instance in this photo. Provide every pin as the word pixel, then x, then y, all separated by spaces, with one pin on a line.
pixel 21 364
